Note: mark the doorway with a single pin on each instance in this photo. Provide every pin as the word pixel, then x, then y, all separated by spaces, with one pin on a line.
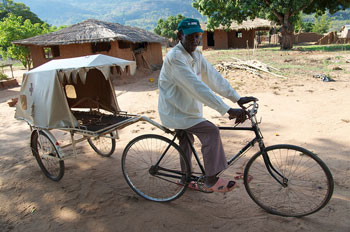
pixel 210 39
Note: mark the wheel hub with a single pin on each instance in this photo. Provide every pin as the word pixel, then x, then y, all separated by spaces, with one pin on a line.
pixel 153 170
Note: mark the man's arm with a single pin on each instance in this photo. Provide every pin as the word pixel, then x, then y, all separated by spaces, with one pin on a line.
pixel 220 85
pixel 216 82
pixel 189 82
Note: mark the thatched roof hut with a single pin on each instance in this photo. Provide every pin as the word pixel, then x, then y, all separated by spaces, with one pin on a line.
pixel 93 30
pixel 94 36
pixel 238 35
pixel 256 24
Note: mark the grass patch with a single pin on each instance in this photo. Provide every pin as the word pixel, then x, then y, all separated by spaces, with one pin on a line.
pixel 3 76
pixel 326 48
pixel 18 64
pixel 291 63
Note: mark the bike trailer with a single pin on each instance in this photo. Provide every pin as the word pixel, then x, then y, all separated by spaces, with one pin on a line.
pixel 50 91
pixel 75 95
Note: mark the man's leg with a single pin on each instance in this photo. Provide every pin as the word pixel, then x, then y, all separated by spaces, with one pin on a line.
pixel 186 147
pixel 213 156
pixel 212 149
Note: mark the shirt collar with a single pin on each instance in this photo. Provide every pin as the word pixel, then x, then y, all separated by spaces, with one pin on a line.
pixel 188 56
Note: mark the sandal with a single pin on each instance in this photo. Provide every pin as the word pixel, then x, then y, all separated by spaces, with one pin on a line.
pixel 192 185
pixel 222 186
pixel 241 176
pixel 195 186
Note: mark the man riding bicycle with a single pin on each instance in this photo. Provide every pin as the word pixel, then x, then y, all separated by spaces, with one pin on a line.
pixel 186 82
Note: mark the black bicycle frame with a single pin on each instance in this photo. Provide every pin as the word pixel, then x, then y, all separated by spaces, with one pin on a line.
pixel 258 138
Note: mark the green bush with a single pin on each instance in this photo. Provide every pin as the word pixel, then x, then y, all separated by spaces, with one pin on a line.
pixel 3 76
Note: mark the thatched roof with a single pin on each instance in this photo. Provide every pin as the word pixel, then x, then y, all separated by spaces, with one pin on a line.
pixel 93 30
pixel 258 24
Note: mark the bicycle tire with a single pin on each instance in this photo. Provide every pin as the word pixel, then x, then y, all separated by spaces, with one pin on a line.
pixel 138 159
pixel 42 149
pixel 310 183
pixel 102 145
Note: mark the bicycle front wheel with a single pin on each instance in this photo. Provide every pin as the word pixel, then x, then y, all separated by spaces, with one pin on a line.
pixel 308 182
pixel 151 165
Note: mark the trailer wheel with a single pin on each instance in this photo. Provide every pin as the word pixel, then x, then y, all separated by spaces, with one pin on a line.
pixel 102 145
pixel 46 155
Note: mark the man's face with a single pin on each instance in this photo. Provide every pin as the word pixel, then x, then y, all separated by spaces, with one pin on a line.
pixel 191 41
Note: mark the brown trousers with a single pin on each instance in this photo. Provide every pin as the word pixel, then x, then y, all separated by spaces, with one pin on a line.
pixel 212 150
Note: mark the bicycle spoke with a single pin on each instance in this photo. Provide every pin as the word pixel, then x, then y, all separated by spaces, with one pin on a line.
pixel 103 146
pixel 46 155
pixel 145 151
pixel 309 186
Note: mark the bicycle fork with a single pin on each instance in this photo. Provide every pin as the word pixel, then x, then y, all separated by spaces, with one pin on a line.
pixel 270 167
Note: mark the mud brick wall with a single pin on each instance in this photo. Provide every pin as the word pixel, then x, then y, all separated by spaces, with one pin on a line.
pixel 305 37
pixel 152 52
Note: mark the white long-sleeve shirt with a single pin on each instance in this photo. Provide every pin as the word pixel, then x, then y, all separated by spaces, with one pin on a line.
pixel 186 83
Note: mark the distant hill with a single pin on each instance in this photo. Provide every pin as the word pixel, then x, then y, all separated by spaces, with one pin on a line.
pixel 339 19
pixel 140 13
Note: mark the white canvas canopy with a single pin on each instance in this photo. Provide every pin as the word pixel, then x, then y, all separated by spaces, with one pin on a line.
pixel 46 96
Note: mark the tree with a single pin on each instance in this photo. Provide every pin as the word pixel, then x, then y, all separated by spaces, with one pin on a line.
pixel 168 27
pixel 308 26
pixel 19 9
pixel 322 24
pixel 302 26
pixel 299 24
pixel 284 13
pixel 15 28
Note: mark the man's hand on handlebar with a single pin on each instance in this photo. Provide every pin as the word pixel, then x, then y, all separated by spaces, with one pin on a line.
pixel 245 100
pixel 239 114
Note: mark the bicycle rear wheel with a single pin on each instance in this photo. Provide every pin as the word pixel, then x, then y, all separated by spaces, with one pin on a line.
pixel 309 183
pixel 152 181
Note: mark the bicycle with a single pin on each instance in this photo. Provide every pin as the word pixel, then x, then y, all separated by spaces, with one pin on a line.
pixel 285 180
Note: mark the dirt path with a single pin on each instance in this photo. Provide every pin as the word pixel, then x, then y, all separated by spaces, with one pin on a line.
pixel 93 195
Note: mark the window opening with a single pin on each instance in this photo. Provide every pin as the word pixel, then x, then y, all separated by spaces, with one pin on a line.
pixel 23 101
pixel 139 47
pixel 123 44
pixel 51 52
pixel 70 91
pixel 100 47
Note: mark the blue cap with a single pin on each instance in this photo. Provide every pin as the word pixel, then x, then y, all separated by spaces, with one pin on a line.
pixel 189 26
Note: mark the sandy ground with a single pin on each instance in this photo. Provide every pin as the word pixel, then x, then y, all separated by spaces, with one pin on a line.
pixel 93 195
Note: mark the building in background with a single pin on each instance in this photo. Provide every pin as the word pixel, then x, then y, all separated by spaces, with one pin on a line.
pixel 97 37
pixel 237 36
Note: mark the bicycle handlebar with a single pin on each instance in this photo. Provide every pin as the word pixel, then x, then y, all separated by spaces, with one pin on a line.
pixel 252 109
